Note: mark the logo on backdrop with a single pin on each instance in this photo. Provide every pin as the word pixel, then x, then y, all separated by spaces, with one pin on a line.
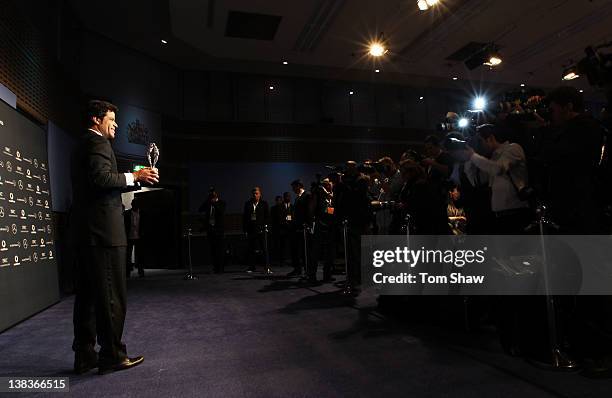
pixel 138 133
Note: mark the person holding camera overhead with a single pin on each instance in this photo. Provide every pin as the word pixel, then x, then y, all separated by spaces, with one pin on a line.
pixel 506 167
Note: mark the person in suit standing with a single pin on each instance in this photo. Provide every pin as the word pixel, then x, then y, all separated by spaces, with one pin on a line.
pixel 303 217
pixel 132 228
pixel 214 220
pixel 255 217
pixel 99 235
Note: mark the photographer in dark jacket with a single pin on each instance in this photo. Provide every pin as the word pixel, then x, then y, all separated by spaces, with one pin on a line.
pixel 214 224
pixel 255 217
pixel 324 247
pixel 303 217
pixel 570 152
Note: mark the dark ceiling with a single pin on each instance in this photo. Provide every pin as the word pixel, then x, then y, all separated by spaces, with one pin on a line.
pixel 327 38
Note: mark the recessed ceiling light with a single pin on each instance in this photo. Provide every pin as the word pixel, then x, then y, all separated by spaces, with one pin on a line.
pixel 351 93
pixel 582 91
pixel 377 70
pixel 522 84
pixel 421 98
pixel 377 49
pixel 271 87
pixel 285 63
pixel 164 41
pixel 455 78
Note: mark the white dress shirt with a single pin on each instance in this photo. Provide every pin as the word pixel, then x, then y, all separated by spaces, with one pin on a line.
pixel 507 161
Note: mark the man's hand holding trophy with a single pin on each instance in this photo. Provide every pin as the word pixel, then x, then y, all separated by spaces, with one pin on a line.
pixel 149 175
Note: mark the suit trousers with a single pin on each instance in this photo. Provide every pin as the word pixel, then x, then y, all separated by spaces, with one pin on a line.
pixel 100 302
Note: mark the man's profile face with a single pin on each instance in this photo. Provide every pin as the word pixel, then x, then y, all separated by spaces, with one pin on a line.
pixel 256 195
pixel 107 125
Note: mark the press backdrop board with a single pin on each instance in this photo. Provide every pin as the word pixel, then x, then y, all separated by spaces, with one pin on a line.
pixel 28 269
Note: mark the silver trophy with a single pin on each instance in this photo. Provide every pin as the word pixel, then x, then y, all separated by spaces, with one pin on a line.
pixel 152 155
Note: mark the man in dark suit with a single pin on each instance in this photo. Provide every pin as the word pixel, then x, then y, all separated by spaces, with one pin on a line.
pixel 99 234
pixel 214 224
pixel 303 217
pixel 255 217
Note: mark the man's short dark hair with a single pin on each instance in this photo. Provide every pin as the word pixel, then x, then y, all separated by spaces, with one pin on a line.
pixel 98 108
pixel 487 130
pixel 432 139
pixel 297 183
pixel 567 95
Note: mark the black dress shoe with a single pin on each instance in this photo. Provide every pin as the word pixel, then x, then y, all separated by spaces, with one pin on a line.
pixel 127 363
pixel 83 363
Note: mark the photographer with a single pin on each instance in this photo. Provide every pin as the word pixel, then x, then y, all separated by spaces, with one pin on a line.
pixel 570 152
pixel 324 242
pixel 303 218
pixel 353 205
pixel 506 168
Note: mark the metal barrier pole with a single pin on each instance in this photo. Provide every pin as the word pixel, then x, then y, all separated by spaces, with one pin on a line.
pixel 348 288
pixel 190 275
pixel 266 252
pixel 559 360
pixel 305 251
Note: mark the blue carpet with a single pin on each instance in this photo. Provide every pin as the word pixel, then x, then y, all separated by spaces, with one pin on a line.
pixel 239 335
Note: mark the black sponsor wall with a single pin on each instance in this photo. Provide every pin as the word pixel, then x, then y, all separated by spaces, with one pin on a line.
pixel 28 269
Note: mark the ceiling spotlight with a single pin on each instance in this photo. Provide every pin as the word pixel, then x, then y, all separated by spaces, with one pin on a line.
pixel 479 104
pixel 463 123
pixel 582 91
pixel 522 84
pixel 493 59
pixel 285 63
pixel 421 98
pixel 425 4
pixel 164 41
pixel 351 93
pixel 571 73
pixel 377 70
pixel 455 78
pixel 377 49
pixel 271 87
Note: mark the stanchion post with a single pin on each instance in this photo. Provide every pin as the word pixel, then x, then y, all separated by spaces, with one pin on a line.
pixel 190 275
pixel 348 288
pixel 559 360
pixel 305 250
pixel 266 252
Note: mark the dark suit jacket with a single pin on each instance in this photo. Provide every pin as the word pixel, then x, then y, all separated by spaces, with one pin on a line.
pixel 262 215
pixel 218 214
pixel 303 210
pixel 96 217
pixel 279 215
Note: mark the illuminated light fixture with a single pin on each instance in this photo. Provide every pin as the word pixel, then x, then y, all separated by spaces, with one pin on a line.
pixel 455 78
pixel 377 49
pixel 426 4
pixel 570 73
pixel 463 123
pixel 522 84
pixel 421 98
pixel 351 93
pixel 164 41
pixel 582 91
pixel 493 59
pixel 271 87
pixel 377 70
pixel 285 63
pixel 479 104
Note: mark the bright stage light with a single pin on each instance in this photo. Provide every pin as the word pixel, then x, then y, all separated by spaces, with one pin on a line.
pixel 479 104
pixel 463 123
pixel 377 49
pixel 493 60
pixel 570 73
pixel 432 3
pixel 422 4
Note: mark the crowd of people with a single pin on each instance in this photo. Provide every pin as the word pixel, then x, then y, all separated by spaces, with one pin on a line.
pixel 487 179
